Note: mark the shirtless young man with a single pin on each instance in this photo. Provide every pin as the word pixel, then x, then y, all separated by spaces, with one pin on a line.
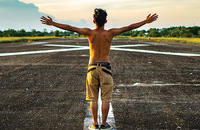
pixel 99 69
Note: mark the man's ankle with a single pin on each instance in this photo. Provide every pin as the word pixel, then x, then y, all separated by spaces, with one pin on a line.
pixel 103 124
pixel 95 123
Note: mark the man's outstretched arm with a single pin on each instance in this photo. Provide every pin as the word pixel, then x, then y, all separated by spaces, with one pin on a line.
pixel 149 19
pixel 50 22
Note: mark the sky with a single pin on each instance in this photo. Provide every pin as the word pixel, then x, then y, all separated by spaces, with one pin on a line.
pixel 25 14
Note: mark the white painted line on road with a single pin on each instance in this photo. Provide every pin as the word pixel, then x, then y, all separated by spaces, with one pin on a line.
pixel 55 45
pixel 88 119
pixel 117 48
pixel 154 85
pixel 155 43
pixel 155 52
pixel 45 51
pixel 110 119
pixel 137 45
pixel 37 43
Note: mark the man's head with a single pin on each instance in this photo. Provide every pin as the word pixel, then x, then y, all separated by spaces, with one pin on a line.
pixel 100 17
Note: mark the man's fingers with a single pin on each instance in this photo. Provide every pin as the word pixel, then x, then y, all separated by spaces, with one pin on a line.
pixel 49 17
pixel 149 15
pixel 44 18
pixel 154 15
pixel 42 22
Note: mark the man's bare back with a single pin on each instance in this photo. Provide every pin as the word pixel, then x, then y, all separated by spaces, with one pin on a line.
pixel 100 42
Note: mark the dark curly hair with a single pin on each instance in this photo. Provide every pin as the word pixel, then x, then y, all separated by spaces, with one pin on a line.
pixel 100 17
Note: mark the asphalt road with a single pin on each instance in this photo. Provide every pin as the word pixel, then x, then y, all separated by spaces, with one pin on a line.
pixel 156 85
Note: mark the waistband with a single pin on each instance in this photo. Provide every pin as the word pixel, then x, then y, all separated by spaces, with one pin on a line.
pixel 100 64
pixel 103 64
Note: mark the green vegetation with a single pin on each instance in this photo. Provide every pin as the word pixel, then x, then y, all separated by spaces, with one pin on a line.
pixel 179 32
pixel 171 39
pixel 153 32
pixel 173 34
pixel 32 39
pixel 23 39
pixel 34 33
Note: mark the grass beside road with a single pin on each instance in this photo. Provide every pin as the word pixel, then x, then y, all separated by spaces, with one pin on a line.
pixel 23 39
pixel 30 39
pixel 153 39
pixel 171 39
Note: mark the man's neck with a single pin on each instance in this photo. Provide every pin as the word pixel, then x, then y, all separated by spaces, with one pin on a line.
pixel 100 28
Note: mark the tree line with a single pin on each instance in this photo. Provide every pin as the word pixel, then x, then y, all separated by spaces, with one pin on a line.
pixel 181 31
pixel 167 32
pixel 33 33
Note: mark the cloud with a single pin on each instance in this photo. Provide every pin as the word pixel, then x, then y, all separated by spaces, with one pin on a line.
pixel 15 14
pixel 18 15
pixel 123 12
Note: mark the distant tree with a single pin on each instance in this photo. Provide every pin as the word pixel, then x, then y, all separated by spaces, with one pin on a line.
pixel 45 32
pixel 164 32
pixel 175 32
pixel 1 33
pixel 142 33
pixel 128 33
pixel 10 33
pixel 33 32
pixel 199 33
pixel 154 32
pixel 79 35
pixel 51 32
pixel 29 34
pixel 69 33
pixel 56 33
pixel 188 33
pixel 134 33
pixel 194 30
pixel 65 33
pixel 39 33
pixel 21 33
pixel 184 32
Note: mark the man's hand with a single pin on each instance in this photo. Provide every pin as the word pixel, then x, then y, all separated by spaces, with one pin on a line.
pixel 49 21
pixel 152 18
pixel 46 21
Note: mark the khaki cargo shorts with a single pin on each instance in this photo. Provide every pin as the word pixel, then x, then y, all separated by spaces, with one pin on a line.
pixel 99 75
